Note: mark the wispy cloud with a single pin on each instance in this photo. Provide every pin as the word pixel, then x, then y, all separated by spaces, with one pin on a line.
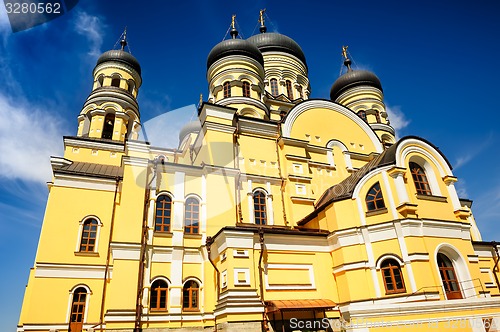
pixel 5 29
pixel 486 210
pixel 90 27
pixel 470 153
pixel 397 117
pixel 28 136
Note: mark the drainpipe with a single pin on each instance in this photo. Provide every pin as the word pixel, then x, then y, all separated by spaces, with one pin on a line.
pixel 261 270
pixel 236 152
pixel 108 257
pixel 142 257
pixel 208 245
pixel 495 245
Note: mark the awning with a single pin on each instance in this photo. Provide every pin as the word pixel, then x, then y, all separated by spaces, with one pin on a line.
pixel 290 305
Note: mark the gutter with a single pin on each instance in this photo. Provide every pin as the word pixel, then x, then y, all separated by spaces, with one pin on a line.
pixel 208 244
pixel 261 270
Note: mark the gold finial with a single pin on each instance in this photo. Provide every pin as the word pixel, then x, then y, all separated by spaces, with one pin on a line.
pixel 261 16
pixel 233 18
pixel 201 99
pixel 344 51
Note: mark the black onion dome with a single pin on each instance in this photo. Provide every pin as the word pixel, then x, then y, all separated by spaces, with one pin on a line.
pixel 272 41
pixel 234 46
pixel 120 56
pixel 190 127
pixel 352 79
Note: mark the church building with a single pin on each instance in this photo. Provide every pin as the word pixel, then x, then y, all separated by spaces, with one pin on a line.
pixel 276 211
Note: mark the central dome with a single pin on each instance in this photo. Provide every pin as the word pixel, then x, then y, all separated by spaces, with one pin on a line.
pixel 120 56
pixel 234 46
pixel 271 41
pixel 352 79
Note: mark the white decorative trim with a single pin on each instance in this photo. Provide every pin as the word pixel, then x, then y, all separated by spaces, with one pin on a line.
pixel 93 144
pixel 80 231
pixel 460 266
pixel 246 282
pixel 405 148
pixel 84 182
pixel 296 111
pixel 45 270
pixel 125 251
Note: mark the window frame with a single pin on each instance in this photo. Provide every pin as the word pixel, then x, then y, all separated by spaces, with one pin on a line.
pixel 362 115
pixel 81 233
pixel 163 217
pixel 71 300
pixel 391 265
pixel 159 292
pixel 190 291
pixel 376 197
pixel 289 89
pixel 300 91
pixel 114 78
pixel 245 88
pixel 226 87
pixel 420 181
pixel 274 87
pixel 191 229
pixel 106 127
pixel 260 207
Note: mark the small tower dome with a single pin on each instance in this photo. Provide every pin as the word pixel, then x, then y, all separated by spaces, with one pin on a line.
pixel 354 78
pixel 234 47
pixel 120 56
pixel 272 41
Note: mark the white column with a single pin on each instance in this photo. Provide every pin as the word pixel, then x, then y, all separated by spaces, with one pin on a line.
pixel 404 253
pixel 251 216
pixel 450 185
pixel 269 205
pixel 397 175
pixel 371 260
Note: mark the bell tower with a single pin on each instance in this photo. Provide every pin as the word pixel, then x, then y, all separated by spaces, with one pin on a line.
pixel 111 110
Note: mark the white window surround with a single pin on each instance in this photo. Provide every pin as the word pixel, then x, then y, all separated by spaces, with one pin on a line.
pixel 382 258
pixel 80 231
pixel 246 271
pixel 459 264
pixel 269 204
pixel 70 301
pixel 429 173
pixel 223 278
pixel 347 157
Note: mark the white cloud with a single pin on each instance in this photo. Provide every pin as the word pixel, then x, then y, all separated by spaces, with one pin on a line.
pixel 397 118
pixel 5 29
pixel 90 27
pixel 28 136
pixel 163 130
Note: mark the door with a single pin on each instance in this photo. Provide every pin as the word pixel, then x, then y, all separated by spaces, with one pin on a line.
pixel 449 277
pixel 77 310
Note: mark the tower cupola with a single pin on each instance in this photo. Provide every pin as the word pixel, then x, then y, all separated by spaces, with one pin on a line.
pixel 361 91
pixel 235 74
pixel 285 68
pixel 111 110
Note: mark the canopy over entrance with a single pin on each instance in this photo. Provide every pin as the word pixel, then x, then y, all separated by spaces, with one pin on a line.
pixel 291 305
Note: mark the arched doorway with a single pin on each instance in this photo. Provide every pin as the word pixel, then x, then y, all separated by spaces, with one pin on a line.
pixel 449 277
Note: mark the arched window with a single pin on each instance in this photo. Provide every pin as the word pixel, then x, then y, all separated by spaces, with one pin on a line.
pixel 299 90
pixel 131 86
pixel 393 278
pixel 227 89
pixel 289 90
pixel 115 81
pixel 163 213
pixel 78 309
pixel 107 129
pixel 89 235
pixel 246 89
pixel 374 199
pixel 362 115
pixel 192 216
pixel 420 179
pixel 100 80
pixel 259 207
pixel 449 277
pixel 158 299
pixel 190 295
pixel 377 116
pixel 274 87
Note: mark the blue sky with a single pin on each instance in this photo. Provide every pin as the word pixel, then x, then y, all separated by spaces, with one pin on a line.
pixel 437 60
